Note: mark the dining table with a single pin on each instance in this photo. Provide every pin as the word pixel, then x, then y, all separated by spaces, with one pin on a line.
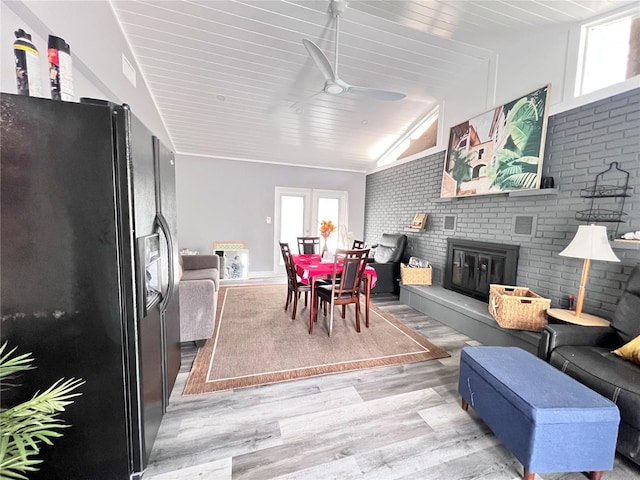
pixel 311 267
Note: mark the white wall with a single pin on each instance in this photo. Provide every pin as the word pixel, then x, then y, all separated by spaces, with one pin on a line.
pixel 228 200
pixel 538 59
pixel 97 44
pixel 541 57
pixel 518 68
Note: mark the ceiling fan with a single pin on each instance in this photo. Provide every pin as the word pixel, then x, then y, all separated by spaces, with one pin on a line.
pixel 333 84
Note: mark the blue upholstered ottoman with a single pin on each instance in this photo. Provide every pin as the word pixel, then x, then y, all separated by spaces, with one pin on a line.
pixel 548 420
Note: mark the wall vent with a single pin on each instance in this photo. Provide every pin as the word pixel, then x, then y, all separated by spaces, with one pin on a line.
pixel 450 223
pixel 524 225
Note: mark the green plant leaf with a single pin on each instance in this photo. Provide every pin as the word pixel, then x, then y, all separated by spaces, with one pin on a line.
pixel 508 172
pixel 505 156
pixel 461 171
pixel 521 180
pixel 24 426
pixel 10 366
pixel 521 120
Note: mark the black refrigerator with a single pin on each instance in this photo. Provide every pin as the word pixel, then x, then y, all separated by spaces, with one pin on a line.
pixel 88 262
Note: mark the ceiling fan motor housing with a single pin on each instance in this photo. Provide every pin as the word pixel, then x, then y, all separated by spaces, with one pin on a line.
pixel 333 88
pixel 337 7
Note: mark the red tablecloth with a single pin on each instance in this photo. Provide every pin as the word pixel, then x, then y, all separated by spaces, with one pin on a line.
pixel 313 265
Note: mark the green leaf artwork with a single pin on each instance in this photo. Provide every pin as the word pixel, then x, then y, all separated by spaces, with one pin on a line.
pixel 500 150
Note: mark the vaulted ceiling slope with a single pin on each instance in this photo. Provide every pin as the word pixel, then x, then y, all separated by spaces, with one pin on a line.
pixel 233 80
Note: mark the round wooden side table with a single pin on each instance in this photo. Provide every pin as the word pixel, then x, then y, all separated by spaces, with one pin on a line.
pixel 569 316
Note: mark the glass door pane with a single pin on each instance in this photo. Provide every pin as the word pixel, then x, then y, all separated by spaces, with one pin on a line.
pixel 291 221
pixel 329 209
pixel 298 213
pixel 484 269
pixel 331 205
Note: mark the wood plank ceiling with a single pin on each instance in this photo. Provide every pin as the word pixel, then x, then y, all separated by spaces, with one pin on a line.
pixel 232 79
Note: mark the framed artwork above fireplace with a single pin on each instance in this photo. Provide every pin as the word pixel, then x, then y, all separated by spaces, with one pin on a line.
pixel 498 151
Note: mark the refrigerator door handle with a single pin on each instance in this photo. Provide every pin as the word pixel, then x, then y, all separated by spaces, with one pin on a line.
pixel 164 226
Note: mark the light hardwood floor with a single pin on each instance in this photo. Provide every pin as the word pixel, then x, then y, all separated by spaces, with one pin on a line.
pixel 399 422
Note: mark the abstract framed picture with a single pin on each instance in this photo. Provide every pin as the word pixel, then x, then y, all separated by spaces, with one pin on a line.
pixel 498 151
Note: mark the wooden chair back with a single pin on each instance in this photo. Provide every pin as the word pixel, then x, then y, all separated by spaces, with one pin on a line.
pixel 288 263
pixel 347 284
pixel 358 245
pixel 294 283
pixel 308 245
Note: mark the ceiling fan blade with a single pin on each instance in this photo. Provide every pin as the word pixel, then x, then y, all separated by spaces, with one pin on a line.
pixel 376 93
pixel 320 59
pixel 334 85
pixel 302 103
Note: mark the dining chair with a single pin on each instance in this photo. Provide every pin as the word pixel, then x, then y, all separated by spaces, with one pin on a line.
pixel 307 245
pixel 346 284
pixel 294 285
pixel 357 245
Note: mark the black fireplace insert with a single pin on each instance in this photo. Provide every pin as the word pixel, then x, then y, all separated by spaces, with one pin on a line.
pixel 472 266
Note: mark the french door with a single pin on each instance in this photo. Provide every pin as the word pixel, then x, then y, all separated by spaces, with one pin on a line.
pixel 298 213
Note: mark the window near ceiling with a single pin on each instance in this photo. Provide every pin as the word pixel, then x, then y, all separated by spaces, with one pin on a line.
pixel 609 51
pixel 423 135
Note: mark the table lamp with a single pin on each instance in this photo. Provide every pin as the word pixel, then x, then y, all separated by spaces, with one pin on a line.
pixel 590 243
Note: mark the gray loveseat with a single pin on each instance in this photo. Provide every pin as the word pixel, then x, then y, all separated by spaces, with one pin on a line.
pixel 198 287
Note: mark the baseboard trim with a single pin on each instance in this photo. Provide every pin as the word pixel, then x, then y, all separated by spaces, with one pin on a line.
pixel 263 274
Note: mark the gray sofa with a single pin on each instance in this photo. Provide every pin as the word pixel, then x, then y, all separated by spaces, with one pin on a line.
pixel 198 288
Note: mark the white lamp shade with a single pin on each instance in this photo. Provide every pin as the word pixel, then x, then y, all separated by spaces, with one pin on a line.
pixel 590 242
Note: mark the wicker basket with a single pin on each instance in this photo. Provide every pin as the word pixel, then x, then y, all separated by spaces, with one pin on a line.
pixel 415 275
pixel 518 308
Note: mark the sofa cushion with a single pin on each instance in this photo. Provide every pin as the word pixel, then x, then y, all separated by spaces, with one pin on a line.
pixel 203 274
pixel 383 254
pixel 630 351
pixel 606 373
pixel 625 318
pixel 198 262
pixel 390 248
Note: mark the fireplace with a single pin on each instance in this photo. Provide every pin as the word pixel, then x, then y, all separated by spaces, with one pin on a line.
pixel 472 266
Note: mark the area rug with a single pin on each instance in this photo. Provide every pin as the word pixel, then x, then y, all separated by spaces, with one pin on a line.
pixel 256 342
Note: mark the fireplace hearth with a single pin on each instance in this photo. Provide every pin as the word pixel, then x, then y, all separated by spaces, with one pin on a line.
pixel 472 266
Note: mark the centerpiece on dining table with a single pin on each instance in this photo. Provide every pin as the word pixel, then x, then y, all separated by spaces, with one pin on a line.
pixel 326 229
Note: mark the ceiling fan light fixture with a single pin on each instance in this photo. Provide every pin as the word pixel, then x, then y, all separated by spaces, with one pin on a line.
pixel 333 89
